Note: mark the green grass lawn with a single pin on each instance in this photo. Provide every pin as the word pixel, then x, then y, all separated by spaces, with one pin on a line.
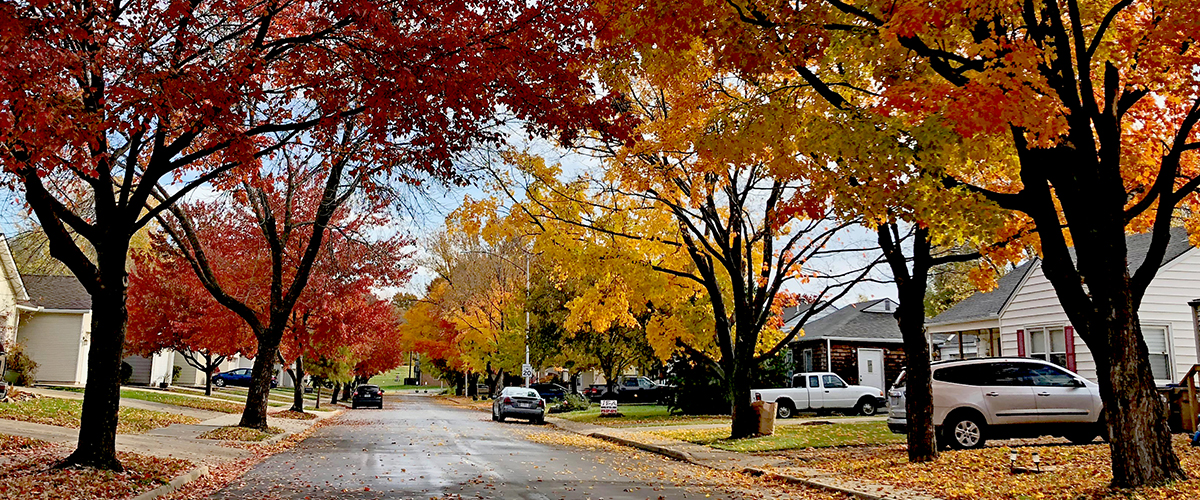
pixel 635 415
pixel 182 400
pixel 793 436
pixel 65 413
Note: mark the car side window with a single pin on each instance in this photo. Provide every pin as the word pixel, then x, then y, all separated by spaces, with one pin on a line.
pixel 645 384
pixel 966 375
pixel 631 382
pixel 1049 376
pixel 1009 374
pixel 814 381
pixel 833 382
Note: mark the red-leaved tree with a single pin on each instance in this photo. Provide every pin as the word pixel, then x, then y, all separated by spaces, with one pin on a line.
pixel 108 99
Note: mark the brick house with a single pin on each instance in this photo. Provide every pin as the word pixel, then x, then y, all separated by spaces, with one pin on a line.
pixel 860 342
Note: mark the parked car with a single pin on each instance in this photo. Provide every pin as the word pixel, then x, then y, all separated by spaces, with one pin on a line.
pixel 975 400
pixel 821 392
pixel 367 395
pixel 237 376
pixel 550 392
pixel 595 392
pixel 519 402
pixel 641 390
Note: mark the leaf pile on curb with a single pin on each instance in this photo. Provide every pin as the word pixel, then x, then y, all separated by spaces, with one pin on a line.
pixel 1077 472
pixel 66 412
pixel 28 473
pixel 235 433
pixel 292 415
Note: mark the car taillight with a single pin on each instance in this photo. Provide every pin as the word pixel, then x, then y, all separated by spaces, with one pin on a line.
pixel 541 403
pixel 507 400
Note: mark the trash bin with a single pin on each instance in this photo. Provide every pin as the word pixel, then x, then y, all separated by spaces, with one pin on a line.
pixel 766 417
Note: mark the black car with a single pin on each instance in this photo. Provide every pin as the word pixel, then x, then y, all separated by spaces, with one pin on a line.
pixel 642 390
pixel 550 392
pixel 237 376
pixel 367 395
pixel 595 392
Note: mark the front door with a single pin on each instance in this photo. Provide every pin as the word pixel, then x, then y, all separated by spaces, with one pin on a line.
pixel 870 368
pixel 1008 393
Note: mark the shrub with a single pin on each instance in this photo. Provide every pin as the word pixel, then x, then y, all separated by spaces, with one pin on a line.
pixel 572 402
pixel 22 366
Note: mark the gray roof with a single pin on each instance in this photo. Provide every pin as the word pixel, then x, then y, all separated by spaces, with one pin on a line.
pixel 853 321
pixel 982 306
pixel 57 292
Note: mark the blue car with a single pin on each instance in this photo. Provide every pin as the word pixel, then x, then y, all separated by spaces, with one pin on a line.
pixel 239 376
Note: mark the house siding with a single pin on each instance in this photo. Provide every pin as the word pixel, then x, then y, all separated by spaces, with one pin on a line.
pixel 57 343
pixel 1165 304
pixel 844 356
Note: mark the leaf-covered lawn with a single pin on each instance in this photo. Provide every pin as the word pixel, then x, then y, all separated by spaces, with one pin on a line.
pixel 1080 472
pixel 637 415
pixel 8 442
pixel 788 437
pixel 65 413
pixel 235 433
pixel 181 400
pixel 27 472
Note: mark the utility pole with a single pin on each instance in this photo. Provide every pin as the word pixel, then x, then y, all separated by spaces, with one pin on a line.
pixel 526 315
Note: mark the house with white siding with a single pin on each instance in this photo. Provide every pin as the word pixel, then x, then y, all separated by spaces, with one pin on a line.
pixel 56 328
pixel 13 301
pixel 1023 316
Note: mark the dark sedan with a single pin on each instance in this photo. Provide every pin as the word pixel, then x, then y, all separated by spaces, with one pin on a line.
pixel 550 392
pixel 519 402
pixel 239 376
pixel 367 395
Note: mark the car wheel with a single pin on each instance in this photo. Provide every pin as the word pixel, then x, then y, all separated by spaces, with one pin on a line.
pixel 966 431
pixel 866 408
pixel 220 382
pixel 354 406
pixel 540 420
pixel 784 410
pixel 500 417
pixel 494 419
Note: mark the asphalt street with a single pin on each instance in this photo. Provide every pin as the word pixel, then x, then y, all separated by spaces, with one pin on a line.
pixel 423 449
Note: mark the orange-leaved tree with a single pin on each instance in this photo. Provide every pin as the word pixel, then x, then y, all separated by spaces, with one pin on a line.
pixel 1095 100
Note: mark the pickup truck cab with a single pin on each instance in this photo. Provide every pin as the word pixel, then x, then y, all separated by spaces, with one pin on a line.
pixel 822 392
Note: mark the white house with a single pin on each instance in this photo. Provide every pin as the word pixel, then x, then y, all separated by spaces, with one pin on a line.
pixel 13 300
pixel 56 328
pixel 1023 316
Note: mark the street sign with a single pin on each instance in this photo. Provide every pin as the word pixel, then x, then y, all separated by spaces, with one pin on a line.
pixel 526 370
pixel 608 407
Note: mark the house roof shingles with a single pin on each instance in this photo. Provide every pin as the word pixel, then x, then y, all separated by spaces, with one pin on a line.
pixel 853 321
pixel 983 306
pixel 57 292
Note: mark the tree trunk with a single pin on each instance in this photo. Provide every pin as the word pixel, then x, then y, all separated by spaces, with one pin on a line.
pixel 1135 414
pixel 317 387
pixel 336 387
pixel 97 445
pixel 473 384
pixel 208 374
pixel 298 383
pixel 918 392
pixel 255 414
pixel 347 388
pixel 745 420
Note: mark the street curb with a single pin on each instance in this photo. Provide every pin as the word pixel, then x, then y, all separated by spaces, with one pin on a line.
pixel 174 484
pixel 653 448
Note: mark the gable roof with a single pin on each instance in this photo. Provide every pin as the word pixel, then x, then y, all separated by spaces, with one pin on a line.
pixel 857 321
pixel 58 292
pixel 983 306
pixel 986 305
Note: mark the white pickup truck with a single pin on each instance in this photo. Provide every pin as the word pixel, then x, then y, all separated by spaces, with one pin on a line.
pixel 822 392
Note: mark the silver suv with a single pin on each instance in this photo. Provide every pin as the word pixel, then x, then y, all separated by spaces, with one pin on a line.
pixel 995 398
